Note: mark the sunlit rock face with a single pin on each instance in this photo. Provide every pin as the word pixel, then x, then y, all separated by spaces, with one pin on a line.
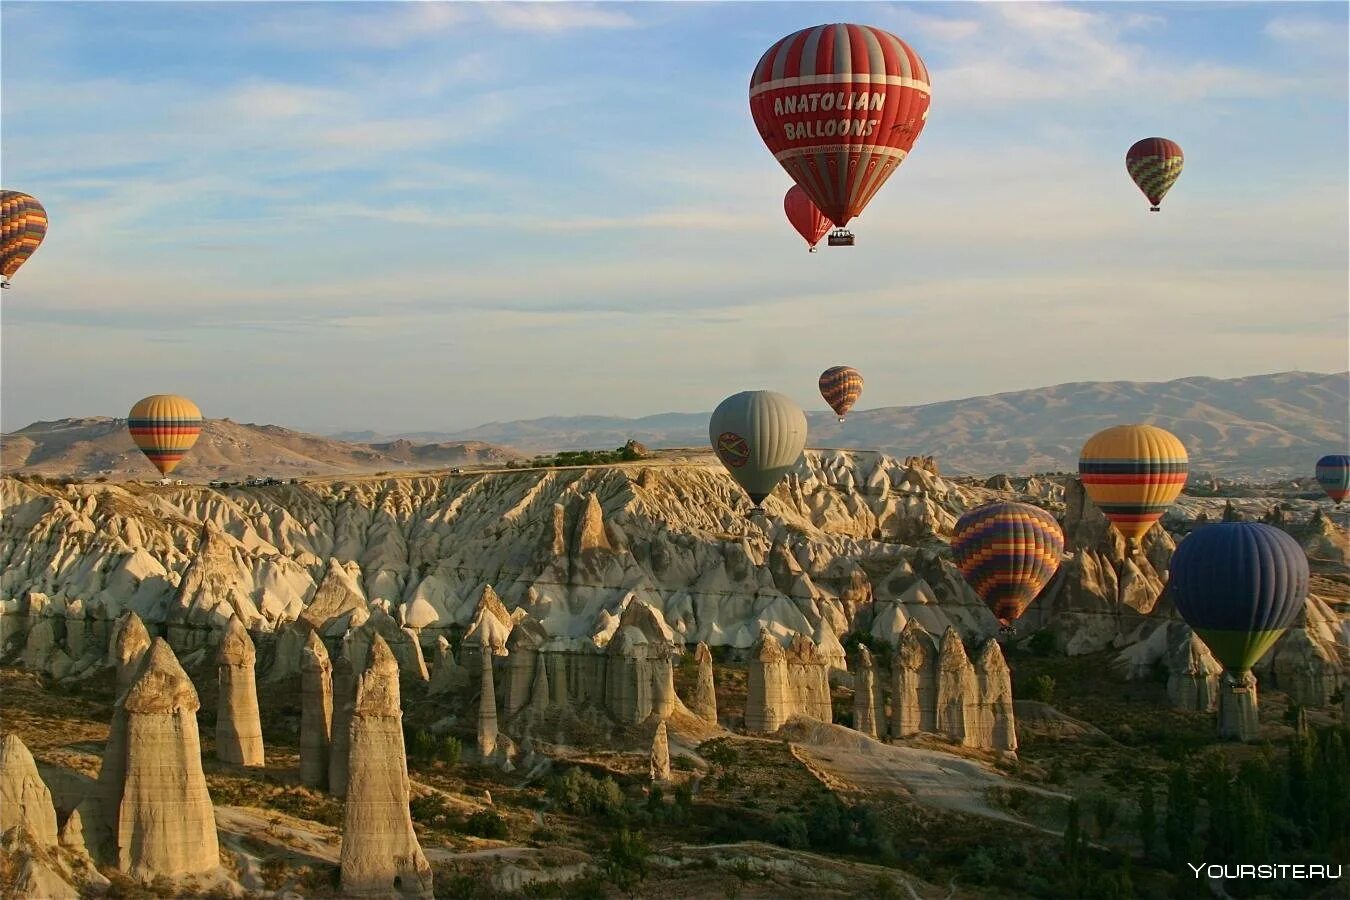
pixel 854 543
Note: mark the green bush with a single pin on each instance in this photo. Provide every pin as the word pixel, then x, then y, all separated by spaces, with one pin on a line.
pixel 577 792
pixel 450 749
pixel 1041 689
pixel 488 824
pixel 1043 643
pixel 625 863
pixel 979 867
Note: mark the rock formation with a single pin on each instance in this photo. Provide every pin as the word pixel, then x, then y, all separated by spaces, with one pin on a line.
pixel 869 710
pixel 130 642
pixel 957 691
pixel 1305 669
pixel 380 853
pixel 704 704
pixel 316 712
pixel 447 675
pixel 1238 718
pixel 238 724
pixel 166 826
pixel 487 710
pixel 769 700
pixel 25 801
pixel 995 722
pixel 1192 673
pixel 660 755
pixel 914 683
pixel 344 701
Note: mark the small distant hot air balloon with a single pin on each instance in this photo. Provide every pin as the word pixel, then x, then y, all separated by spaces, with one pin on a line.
pixel 165 426
pixel 810 223
pixel 759 436
pixel 1333 474
pixel 1239 585
pixel 840 106
pixel 1007 552
pixel 1155 165
pixel 841 387
pixel 1133 473
pixel 23 225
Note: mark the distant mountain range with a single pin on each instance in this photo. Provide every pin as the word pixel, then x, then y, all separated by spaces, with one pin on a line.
pixel 1261 425
pixel 101 447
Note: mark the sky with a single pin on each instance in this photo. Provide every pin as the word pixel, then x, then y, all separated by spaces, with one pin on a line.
pixel 427 216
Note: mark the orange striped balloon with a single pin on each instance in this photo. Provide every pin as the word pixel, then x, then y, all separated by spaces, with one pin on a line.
pixel 23 225
pixel 165 426
pixel 1133 473
pixel 841 387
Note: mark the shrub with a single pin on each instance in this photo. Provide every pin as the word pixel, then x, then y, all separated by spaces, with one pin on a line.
pixel 1043 643
pixel 1041 688
pixel 486 823
pixel 626 862
pixel 979 867
pixel 450 749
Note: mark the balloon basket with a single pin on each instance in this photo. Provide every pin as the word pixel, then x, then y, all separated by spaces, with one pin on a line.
pixel 841 238
pixel 810 249
pixel 1155 209
pixel 841 418
pixel 4 284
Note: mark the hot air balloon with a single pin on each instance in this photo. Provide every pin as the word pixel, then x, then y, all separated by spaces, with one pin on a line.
pixel 1333 474
pixel 758 436
pixel 1155 165
pixel 165 426
pixel 840 106
pixel 23 225
pixel 1007 552
pixel 1239 585
pixel 1133 473
pixel 804 217
pixel 841 387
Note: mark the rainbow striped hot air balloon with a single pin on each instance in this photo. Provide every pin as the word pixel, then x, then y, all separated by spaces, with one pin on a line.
pixel 165 426
pixel 1007 552
pixel 1133 473
pixel 1333 474
pixel 1239 585
pixel 841 387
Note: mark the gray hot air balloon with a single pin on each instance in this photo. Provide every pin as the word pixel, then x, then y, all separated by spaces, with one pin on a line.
pixel 758 436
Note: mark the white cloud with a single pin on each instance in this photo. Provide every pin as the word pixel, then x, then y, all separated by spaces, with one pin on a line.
pixel 556 16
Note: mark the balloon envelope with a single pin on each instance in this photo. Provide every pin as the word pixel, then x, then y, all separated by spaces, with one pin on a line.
pixel 810 223
pixel 165 426
pixel 1133 473
pixel 841 386
pixel 1333 474
pixel 1155 165
pixel 840 106
pixel 758 436
pixel 23 225
pixel 1239 585
pixel 1007 552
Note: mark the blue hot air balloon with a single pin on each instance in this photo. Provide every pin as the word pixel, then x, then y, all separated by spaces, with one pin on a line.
pixel 1239 585
pixel 1333 474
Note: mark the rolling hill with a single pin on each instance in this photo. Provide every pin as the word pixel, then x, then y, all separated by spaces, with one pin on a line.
pixel 100 447
pixel 1261 425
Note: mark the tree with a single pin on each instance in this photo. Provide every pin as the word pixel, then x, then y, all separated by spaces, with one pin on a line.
pixel 1179 830
pixel 1147 822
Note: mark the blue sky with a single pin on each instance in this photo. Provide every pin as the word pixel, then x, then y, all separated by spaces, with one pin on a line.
pixel 424 216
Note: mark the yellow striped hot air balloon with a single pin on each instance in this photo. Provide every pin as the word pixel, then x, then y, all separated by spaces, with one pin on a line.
pixel 23 225
pixel 1133 473
pixel 165 426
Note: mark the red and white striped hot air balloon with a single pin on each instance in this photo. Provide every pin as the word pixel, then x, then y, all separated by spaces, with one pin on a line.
pixel 840 107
